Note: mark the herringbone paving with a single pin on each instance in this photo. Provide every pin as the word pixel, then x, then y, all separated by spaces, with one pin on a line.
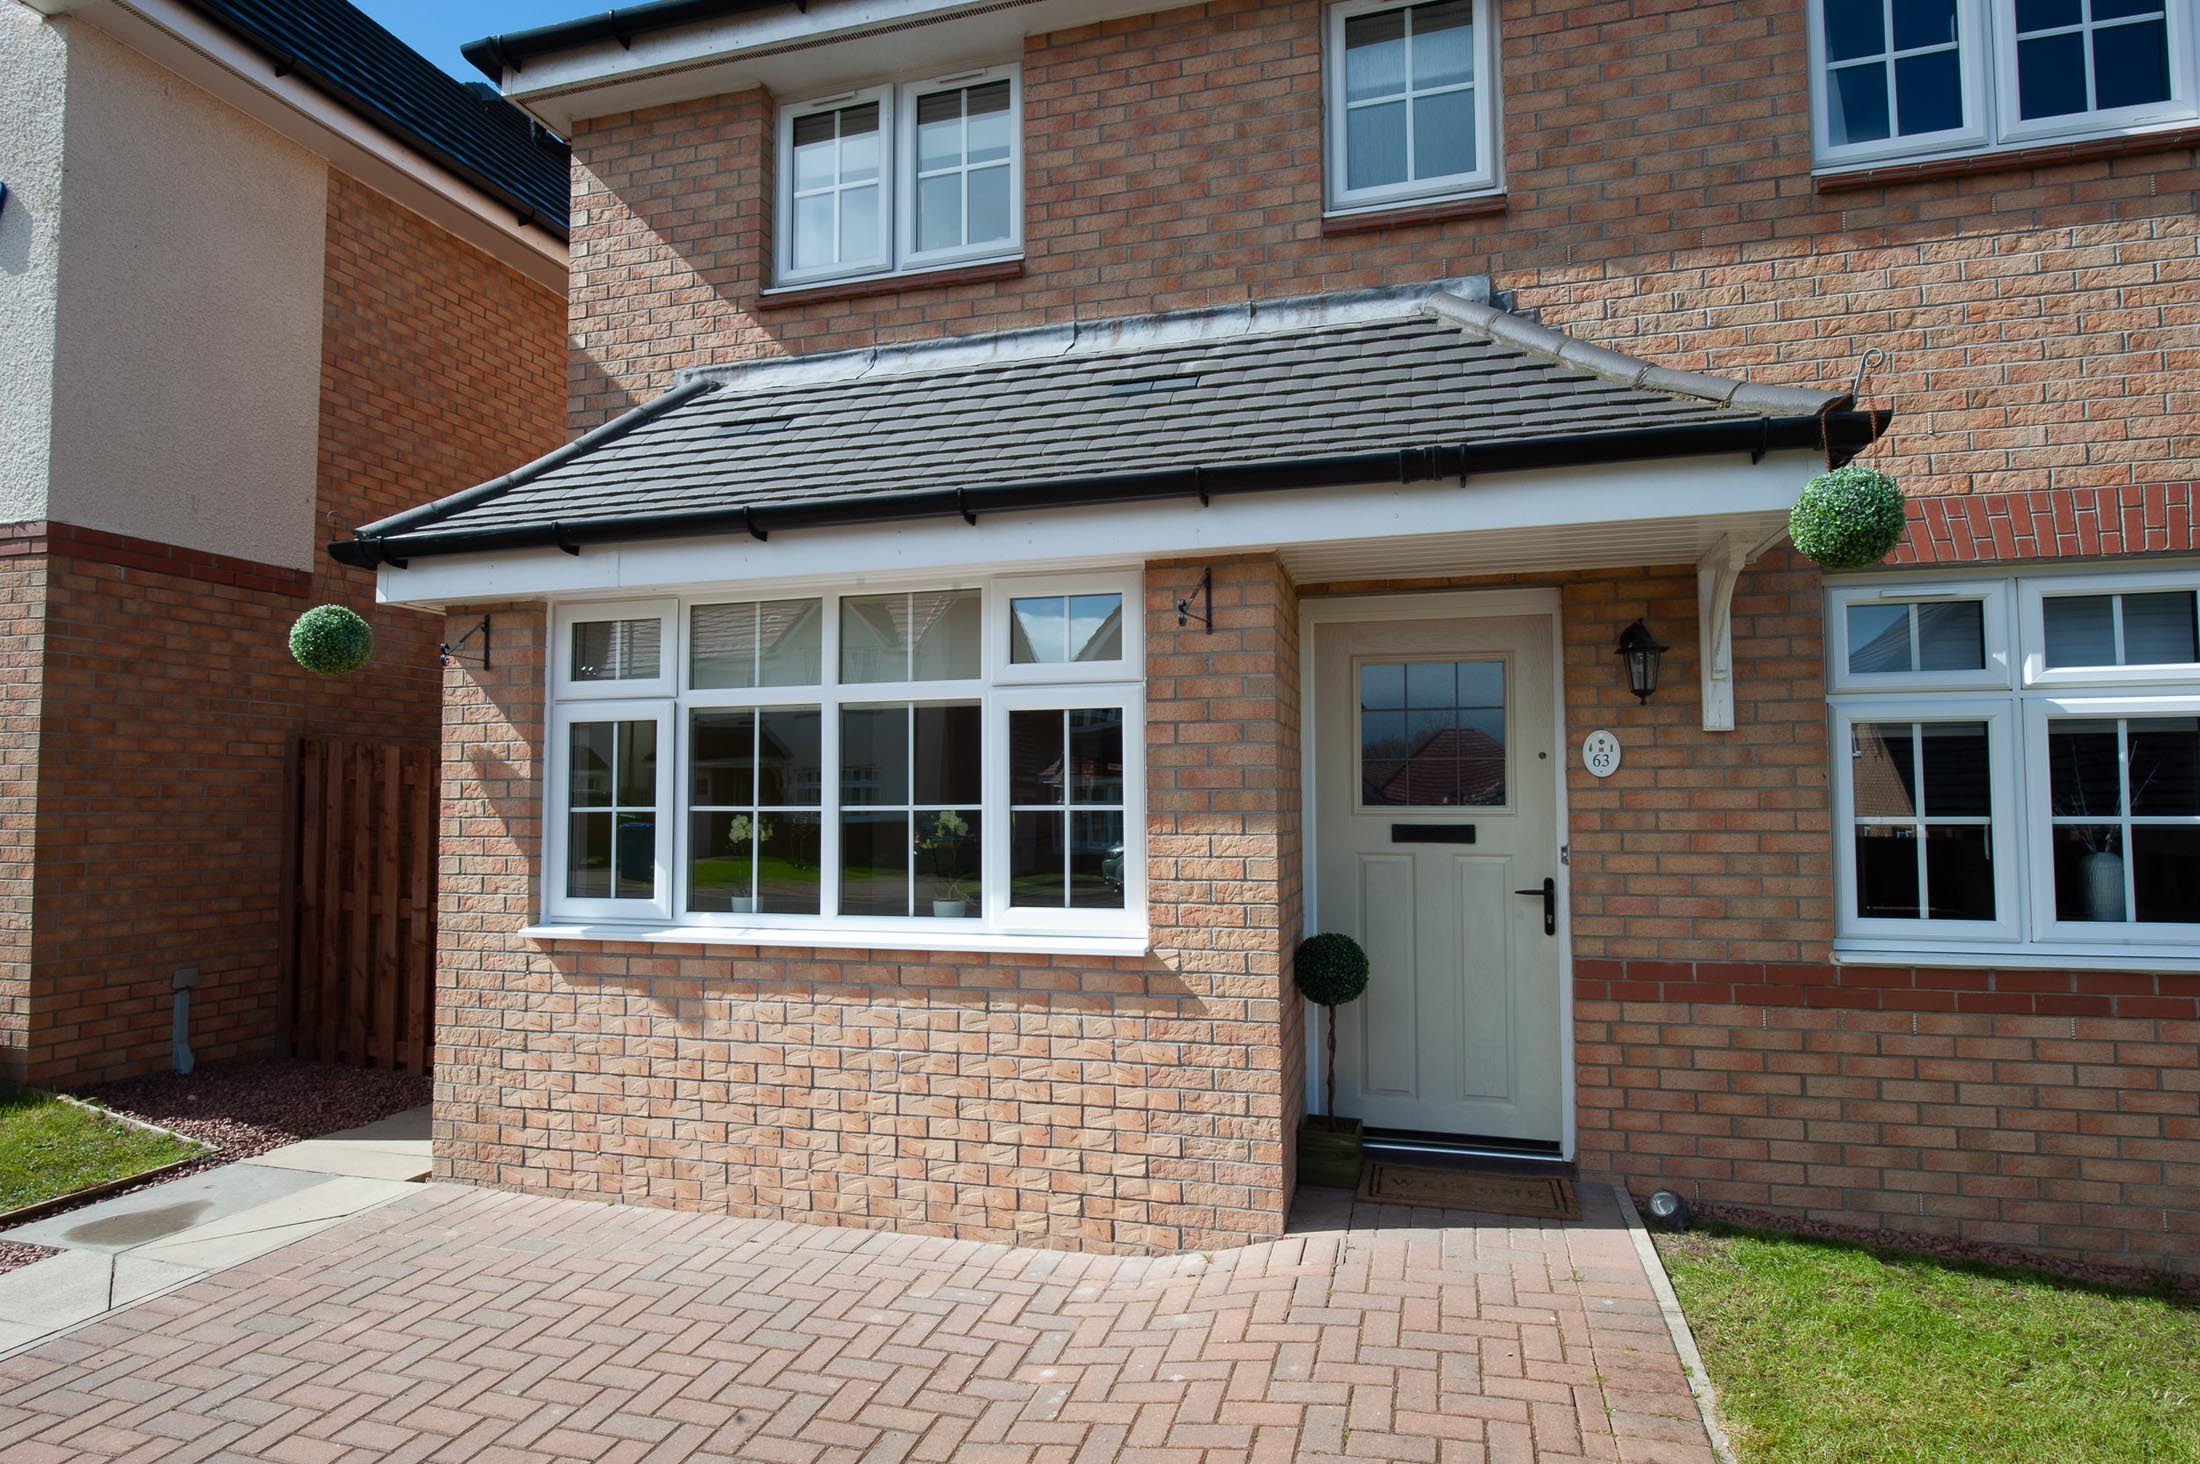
pixel 473 1325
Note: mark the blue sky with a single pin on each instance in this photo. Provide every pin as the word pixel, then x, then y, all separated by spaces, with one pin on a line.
pixel 437 28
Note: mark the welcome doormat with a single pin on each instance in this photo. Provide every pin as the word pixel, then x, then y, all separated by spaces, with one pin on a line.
pixel 1532 1197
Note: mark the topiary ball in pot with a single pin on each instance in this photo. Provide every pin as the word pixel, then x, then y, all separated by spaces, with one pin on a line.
pixel 1849 518
pixel 331 640
pixel 1331 969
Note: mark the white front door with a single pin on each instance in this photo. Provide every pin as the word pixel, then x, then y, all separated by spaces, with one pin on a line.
pixel 1436 792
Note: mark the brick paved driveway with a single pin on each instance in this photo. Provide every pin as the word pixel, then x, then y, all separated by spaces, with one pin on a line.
pixel 471 1325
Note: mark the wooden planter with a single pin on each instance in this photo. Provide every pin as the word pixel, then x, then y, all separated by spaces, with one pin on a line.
pixel 1329 1153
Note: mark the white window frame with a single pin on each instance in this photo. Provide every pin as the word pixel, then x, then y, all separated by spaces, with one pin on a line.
pixel 1994 618
pixel 897 255
pixel 557 828
pixel 2047 926
pixel 2032 597
pixel 2021 697
pixel 1130 667
pixel 1066 685
pixel 1487 175
pixel 905 170
pixel 669 640
pixel 2006 846
pixel 1987 62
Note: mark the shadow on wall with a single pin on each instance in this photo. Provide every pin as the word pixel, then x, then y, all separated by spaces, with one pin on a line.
pixel 17 226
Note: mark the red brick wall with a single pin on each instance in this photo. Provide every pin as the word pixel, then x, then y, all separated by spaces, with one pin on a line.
pixel 22 684
pixel 1111 1104
pixel 168 693
pixel 1659 200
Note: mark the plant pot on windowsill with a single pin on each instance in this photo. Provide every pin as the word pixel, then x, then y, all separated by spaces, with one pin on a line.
pixel 950 909
pixel 1329 1152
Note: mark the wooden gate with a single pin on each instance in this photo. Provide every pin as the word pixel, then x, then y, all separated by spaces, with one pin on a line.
pixel 358 931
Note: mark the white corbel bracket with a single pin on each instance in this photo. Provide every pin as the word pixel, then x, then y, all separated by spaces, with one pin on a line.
pixel 1717 573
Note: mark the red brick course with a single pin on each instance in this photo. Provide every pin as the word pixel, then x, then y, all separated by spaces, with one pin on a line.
pixel 2077 523
pixel 1103 1104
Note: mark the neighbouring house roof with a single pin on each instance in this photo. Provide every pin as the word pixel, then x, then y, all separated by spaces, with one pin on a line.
pixel 1381 386
pixel 341 51
pixel 493 55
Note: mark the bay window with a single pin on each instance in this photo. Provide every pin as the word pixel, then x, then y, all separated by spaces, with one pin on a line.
pixel 901 178
pixel 2016 766
pixel 963 759
pixel 1895 79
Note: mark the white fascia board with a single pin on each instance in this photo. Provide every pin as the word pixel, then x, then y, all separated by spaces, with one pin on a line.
pixel 1704 489
pixel 789 51
pixel 210 58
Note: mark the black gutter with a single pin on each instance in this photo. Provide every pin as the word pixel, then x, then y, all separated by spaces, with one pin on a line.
pixel 493 56
pixel 1841 435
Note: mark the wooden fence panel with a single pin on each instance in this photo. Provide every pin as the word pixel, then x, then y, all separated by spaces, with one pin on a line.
pixel 358 920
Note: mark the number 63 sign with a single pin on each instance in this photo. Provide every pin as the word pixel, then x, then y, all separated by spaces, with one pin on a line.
pixel 1600 753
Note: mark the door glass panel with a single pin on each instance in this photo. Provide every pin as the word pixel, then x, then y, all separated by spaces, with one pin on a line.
pixel 1444 746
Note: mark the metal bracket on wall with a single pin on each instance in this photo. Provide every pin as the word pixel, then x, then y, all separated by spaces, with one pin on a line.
pixel 447 653
pixel 1204 596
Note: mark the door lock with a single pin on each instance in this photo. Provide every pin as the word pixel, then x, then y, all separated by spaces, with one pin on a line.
pixel 1549 891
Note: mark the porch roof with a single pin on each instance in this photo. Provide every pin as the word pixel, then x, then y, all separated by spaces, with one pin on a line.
pixel 1397 386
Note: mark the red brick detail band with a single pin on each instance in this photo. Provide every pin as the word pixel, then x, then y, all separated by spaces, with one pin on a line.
pixel 2021 160
pixel 97 546
pixel 2063 523
pixel 2166 995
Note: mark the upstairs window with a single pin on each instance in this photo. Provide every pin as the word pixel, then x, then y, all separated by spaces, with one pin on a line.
pixel 1411 101
pixel 1920 78
pixel 900 178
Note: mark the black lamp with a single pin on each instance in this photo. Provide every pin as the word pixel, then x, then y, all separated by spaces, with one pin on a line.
pixel 1642 652
pixel 1669 1210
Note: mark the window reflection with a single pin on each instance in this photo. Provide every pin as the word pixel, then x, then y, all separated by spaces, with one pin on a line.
pixel 1432 734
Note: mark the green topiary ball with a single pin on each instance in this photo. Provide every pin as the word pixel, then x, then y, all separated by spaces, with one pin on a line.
pixel 1331 969
pixel 331 640
pixel 1848 518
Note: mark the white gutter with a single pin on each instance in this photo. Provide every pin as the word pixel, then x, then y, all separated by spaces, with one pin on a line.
pixel 210 58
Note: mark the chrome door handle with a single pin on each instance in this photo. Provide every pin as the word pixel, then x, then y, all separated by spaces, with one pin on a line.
pixel 1549 891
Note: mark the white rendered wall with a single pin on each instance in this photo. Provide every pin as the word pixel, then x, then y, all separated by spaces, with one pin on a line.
pixel 33 69
pixel 187 370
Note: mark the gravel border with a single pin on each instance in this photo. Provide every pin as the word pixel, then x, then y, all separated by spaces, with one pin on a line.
pixel 245 1109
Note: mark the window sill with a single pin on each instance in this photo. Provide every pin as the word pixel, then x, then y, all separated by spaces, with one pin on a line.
pixel 1979 164
pixel 780 937
pixel 2029 958
pixel 1407 215
pixel 789 296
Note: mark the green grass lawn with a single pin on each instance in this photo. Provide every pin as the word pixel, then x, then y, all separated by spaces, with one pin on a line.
pixel 50 1148
pixel 1825 1353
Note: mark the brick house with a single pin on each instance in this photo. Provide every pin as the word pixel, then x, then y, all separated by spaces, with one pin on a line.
pixel 268 274
pixel 1069 498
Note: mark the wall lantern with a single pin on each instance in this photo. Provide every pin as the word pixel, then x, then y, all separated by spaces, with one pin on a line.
pixel 1642 652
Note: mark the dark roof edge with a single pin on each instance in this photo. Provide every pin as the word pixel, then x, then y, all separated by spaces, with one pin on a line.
pixel 372 110
pixel 1840 434
pixel 492 56
pixel 602 435
pixel 1522 334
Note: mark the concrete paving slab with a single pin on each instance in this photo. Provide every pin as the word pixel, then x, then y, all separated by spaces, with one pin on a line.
pixel 76 1286
pixel 237 1238
pixel 325 1157
pixel 407 1132
pixel 164 1210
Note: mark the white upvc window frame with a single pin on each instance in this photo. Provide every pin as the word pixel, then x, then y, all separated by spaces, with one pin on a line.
pixel 1487 176
pixel 2047 926
pixel 2032 597
pixel 1994 619
pixel 1066 685
pixel 1130 698
pixel 567 687
pixel 1130 667
pixel 910 257
pixel 2178 18
pixel 1987 64
pixel 2004 844
pixel 2021 698
pixel 556 802
pixel 897 252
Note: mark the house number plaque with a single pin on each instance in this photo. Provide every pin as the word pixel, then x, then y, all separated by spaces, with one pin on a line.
pixel 1600 753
